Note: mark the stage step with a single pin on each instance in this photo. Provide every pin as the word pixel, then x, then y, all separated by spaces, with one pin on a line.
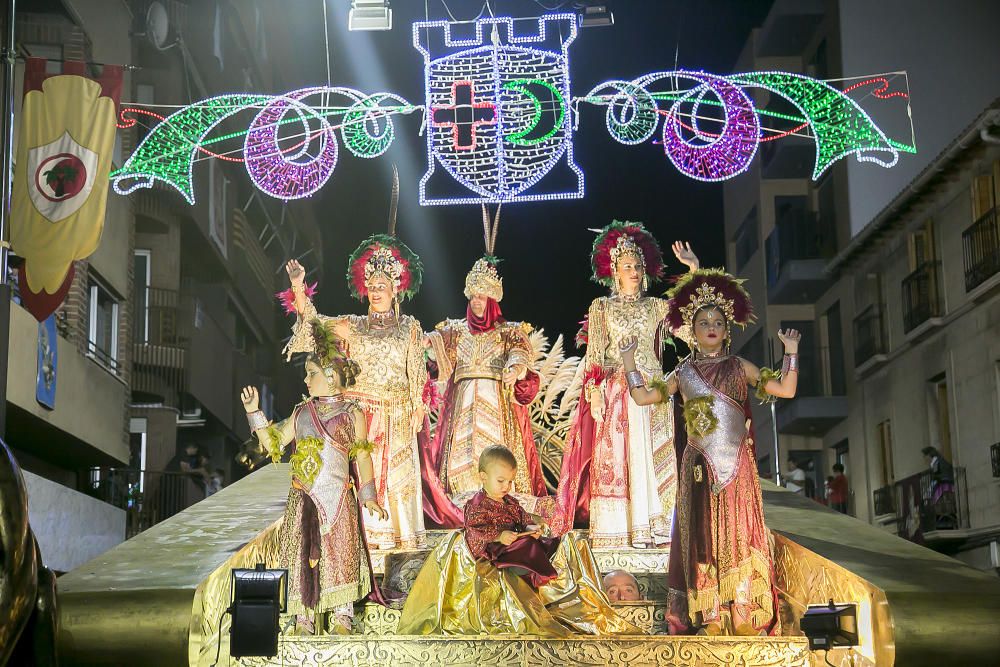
pixel 518 651
pixel 372 620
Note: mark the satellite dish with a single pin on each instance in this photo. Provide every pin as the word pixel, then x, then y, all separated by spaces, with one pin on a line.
pixel 157 26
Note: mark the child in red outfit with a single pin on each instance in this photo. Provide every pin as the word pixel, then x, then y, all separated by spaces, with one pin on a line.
pixel 499 530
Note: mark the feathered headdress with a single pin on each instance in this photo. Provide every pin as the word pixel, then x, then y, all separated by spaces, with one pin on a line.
pixel 484 278
pixel 707 288
pixel 385 256
pixel 624 238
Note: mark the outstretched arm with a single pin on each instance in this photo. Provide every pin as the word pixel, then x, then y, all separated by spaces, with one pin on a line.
pixel 785 386
pixel 272 438
pixel 638 390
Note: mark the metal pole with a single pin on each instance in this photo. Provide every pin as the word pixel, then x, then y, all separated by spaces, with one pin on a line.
pixel 6 188
pixel 774 419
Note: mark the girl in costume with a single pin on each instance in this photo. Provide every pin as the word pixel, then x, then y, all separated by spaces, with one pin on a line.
pixel 389 348
pixel 618 469
pixel 321 541
pixel 721 569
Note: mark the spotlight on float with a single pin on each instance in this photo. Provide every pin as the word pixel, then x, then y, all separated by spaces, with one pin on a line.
pixel 830 626
pixel 259 595
pixel 594 15
pixel 370 15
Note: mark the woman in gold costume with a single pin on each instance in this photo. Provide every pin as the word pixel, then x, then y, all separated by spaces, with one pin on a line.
pixel 389 349
pixel 320 537
pixel 721 569
pixel 618 470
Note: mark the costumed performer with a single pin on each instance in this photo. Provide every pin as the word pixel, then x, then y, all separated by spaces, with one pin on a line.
pixel 483 361
pixel 388 347
pixel 721 577
pixel 321 540
pixel 618 470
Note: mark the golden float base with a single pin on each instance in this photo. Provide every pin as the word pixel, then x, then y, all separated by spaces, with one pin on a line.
pixel 518 651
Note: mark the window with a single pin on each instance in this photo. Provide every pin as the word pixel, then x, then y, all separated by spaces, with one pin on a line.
pixel 833 352
pixel 884 434
pixel 939 415
pixel 747 239
pixel 753 349
pixel 102 338
pixel 984 192
pixel 140 321
pixel 921 246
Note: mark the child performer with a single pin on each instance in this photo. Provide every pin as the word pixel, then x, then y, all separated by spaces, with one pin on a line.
pixel 499 530
pixel 501 576
pixel 320 539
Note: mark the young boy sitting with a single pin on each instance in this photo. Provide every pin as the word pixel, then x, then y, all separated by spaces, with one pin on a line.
pixel 501 576
pixel 499 530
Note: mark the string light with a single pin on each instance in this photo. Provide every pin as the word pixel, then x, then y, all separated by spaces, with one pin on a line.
pixel 280 175
pixel 498 122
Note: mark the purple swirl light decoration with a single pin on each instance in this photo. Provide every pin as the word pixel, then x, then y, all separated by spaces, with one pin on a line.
pixel 724 155
pixel 285 175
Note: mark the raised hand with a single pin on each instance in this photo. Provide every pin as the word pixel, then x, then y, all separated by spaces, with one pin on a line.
pixel 686 256
pixel 296 273
pixel 250 399
pixel 790 339
pixel 376 510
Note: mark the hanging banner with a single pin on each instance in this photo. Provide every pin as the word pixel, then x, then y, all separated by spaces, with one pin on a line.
pixel 48 358
pixel 66 138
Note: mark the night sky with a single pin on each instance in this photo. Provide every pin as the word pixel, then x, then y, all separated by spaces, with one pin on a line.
pixel 545 245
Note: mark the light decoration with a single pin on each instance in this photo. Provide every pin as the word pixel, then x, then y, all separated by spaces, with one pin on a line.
pixel 500 120
pixel 288 176
pixel 524 75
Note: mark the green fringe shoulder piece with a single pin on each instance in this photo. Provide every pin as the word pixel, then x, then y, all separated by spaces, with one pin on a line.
pixel 766 375
pixel 361 446
pixel 661 387
pixel 273 443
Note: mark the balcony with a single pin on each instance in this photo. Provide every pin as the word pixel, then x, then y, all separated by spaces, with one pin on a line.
pixel 797 252
pixel 927 510
pixel 884 501
pixel 159 352
pixel 981 254
pixel 869 339
pixel 921 302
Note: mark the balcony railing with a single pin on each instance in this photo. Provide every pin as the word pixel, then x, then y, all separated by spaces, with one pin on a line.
pixel 159 352
pixel 147 497
pixel 798 235
pixel 869 337
pixel 920 296
pixel 981 250
pixel 884 501
pixel 995 458
pixel 924 505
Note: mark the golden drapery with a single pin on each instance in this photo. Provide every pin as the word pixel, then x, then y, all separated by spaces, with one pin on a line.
pixel 454 594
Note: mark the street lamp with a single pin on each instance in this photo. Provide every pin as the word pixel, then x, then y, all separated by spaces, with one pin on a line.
pixel 370 15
